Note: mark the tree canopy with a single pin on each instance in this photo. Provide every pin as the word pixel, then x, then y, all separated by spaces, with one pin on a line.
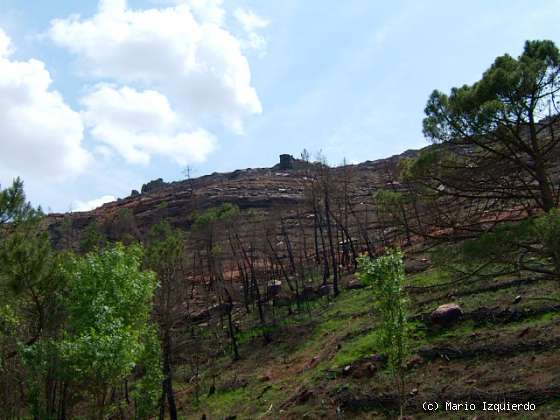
pixel 504 124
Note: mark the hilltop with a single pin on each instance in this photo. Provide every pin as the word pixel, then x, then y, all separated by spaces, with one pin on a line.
pixel 279 188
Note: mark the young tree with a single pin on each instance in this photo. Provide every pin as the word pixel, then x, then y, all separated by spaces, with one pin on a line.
pixel 107 334
pixel 503 129
pixel 386 275
pixel 13 205
pixel 91 238
pixel 29 310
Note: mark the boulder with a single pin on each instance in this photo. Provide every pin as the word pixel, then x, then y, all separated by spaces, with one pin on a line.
pixel 218 310
pixel 154 185
pixel 447 314
pixel 274 288
pixel 355 284
pixel 307 293
pixel 416 266
pixel 324 290
pixel 362 368
pixel 283 301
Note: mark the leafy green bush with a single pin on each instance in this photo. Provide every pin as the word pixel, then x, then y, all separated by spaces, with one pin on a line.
pixel 386 276
pixel 107 334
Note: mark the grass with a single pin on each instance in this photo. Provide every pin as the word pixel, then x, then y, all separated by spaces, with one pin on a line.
pixel 451 334
pixel 356 349
pixel 429 277
pixel 222 403
pixel 310 345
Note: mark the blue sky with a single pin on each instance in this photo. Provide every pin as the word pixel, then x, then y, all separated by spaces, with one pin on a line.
pixel 97 98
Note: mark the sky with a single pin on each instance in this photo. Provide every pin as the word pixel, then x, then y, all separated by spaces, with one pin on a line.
pixel 100 97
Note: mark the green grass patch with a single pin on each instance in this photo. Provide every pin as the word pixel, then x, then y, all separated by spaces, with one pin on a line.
pixel 356 349
pixel 534 321
pixel 429 277
pixel 351 302
pixel 224 403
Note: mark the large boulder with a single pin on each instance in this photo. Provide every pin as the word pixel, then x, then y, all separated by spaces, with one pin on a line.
pixel 307 293
pixel 324 290
pixel 416 266
pixel 355 284
pixel 447 314
pixel 219 309
pixel 274 288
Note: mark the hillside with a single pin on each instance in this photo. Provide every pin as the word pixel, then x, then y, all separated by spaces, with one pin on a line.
pixel 319 358
pixel 323 362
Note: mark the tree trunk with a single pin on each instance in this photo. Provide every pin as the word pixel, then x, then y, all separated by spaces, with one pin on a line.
pixel 331 245
pixel 168 380
pixel 231 327
pixel 547 196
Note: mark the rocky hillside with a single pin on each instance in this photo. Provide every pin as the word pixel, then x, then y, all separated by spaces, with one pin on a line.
pixel 267 190
pixel 481 342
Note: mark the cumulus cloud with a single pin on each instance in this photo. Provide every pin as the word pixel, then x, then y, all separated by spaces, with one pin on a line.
pixel 92 204
pixel 139 124
pixel 251 23
pixel 207 10
pixel 250 20
pixel 40 135
pixel 183 51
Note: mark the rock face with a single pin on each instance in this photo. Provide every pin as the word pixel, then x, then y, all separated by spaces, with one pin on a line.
pixel 286 162
pixel 447 314
pixel 153 186
pixel 268 193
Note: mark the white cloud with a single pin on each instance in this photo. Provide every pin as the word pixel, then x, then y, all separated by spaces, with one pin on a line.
pixel 207 10
pixel 251 23
pixel 250 20
pixel 40 135
pixel 6 47
pixel 183 51
pixel 92 204
pixel 139 124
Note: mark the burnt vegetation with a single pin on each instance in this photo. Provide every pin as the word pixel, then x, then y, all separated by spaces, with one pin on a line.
pixel 235 294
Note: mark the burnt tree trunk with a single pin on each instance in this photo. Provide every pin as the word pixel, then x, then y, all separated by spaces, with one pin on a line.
pixel 168 379
pixel 331 245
